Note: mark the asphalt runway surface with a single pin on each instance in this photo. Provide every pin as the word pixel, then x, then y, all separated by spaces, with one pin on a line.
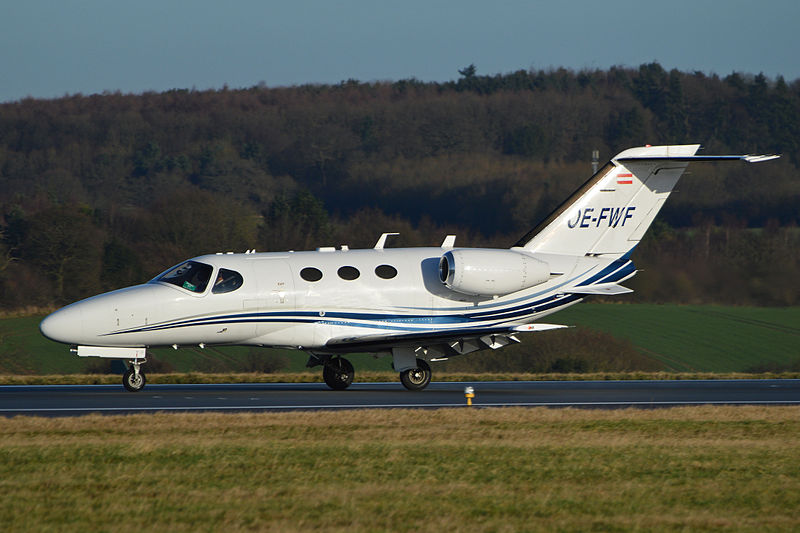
pixel 75 400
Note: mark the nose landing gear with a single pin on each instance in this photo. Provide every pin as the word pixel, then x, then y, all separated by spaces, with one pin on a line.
pixel 134 379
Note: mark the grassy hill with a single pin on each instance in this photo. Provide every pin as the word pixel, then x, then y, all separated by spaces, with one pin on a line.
pixel 702 338
pixel 682 338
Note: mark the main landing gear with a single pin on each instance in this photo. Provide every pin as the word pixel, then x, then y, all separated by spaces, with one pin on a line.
pixel 133 379
pixel 416 378
pixel 338 372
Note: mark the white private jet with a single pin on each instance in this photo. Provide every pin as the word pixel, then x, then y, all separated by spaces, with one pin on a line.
pixel 415 304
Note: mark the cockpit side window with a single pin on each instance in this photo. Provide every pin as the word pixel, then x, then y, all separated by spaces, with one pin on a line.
pixel 189 275
pixel 227 281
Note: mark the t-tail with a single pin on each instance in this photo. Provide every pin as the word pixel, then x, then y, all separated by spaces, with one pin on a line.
pixel 610 213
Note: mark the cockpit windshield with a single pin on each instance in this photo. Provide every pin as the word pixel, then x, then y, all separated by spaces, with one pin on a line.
pixel 190 275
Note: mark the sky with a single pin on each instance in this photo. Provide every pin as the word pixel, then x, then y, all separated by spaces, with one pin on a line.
pixel 49 49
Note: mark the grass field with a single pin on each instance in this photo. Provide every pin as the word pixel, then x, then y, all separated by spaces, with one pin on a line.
pixel 682 469
pixel 682 338
pixel 699 338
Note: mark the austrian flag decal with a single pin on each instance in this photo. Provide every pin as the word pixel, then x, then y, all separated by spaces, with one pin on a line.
pixel 625 179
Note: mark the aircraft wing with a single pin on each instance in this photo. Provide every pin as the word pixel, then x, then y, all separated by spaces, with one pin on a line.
pixel 438 343
pixel 602 289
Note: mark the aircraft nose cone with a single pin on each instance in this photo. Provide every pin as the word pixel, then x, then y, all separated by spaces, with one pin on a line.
pixel 62 326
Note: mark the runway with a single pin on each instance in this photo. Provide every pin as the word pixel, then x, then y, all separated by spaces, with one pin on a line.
pixel 74 400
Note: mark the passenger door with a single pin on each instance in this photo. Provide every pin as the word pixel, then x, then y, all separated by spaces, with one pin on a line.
pixel 275 302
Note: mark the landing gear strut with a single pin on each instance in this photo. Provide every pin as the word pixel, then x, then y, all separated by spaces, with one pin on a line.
pixel 133 379
pixel 416 378
pixel 338 373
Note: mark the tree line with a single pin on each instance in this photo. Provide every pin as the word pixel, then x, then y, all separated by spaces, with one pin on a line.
pixel 102 191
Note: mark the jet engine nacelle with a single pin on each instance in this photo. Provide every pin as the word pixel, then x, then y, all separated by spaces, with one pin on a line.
pixel 481 272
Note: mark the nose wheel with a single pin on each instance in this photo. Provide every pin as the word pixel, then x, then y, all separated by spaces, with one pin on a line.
pixel 133 379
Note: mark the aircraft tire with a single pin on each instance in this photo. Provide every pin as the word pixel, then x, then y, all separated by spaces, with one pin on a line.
pixel 416 378
pixel 338 373
pixel 131 382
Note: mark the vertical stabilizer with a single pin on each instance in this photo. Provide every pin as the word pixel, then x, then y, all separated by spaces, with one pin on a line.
pixel 611 212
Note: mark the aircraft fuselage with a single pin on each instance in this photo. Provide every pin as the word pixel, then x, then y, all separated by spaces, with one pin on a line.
pixel 279 303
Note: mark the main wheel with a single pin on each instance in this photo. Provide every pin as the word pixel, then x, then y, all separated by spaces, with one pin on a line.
pixel 338 373
pixel 132 381
pixel 416 378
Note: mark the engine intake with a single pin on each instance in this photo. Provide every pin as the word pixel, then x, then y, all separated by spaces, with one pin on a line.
pixel 486 272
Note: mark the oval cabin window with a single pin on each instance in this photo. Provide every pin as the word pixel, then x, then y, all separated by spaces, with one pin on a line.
pixel 311 274
pixel 385 271
pixel 349 273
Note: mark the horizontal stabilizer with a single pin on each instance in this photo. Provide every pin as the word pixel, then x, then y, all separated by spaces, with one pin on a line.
pixel 692 158
pixel 603 289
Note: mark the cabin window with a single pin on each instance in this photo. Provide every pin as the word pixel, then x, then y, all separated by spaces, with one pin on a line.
pixel 385 271
pixel 227 281
pixel 311 274
pixel 190 275
pixel 348 273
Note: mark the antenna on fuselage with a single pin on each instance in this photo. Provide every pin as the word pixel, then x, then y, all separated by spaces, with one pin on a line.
pixel 382 240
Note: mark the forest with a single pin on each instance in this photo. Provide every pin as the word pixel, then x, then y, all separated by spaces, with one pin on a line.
pixel 107 190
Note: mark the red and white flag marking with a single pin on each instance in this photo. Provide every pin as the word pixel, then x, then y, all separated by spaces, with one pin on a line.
pixel 625 179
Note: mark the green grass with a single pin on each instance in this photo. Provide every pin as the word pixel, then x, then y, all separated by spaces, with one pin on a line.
pixel 682 338
pixel 683 469
pixel 23 350
pixel 699 338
